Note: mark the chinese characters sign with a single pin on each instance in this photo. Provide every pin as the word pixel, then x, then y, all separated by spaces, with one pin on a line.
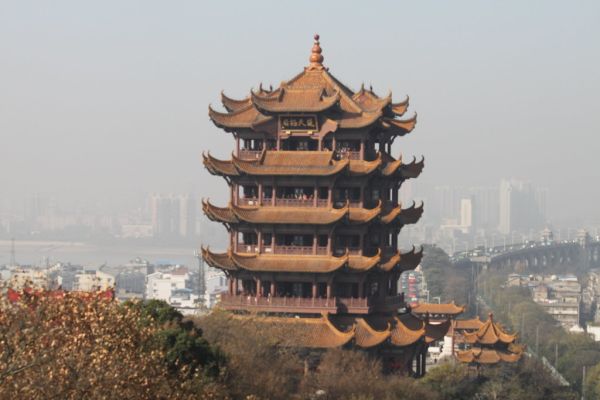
pixel 298 123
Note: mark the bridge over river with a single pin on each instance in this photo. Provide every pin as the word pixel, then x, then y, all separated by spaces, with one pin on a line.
pixel 583 253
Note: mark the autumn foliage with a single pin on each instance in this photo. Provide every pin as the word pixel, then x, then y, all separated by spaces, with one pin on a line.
pixel 80 345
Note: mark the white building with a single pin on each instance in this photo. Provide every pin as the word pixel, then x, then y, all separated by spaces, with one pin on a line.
pixel 174 287
pixel 92 280
pixel 33 278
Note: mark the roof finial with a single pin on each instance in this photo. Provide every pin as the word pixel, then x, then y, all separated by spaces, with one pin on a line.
pixel 316 58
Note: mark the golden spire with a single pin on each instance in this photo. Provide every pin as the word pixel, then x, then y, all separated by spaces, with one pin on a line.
pixel 316 58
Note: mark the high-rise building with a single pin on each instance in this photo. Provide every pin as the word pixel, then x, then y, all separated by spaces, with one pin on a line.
pixel 522 207
pixel 466 213
pixel 314 216
pixel 173 216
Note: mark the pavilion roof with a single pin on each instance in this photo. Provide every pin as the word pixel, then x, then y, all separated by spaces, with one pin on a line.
pixel 310 263
pixel 295 100
pixel 334 331
pixel 313 216
pixel 315 90
pixel 437 309
pixel 467 324
pixel 489 333
pixel 487 356
pixel 311 163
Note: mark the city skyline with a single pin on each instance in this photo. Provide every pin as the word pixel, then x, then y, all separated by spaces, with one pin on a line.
pixel 97 116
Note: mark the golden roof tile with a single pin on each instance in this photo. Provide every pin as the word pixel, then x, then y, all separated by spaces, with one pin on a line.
pixel 233 104
pixel 310 163
pixel 411 259
pixel 295 100
pixel 400 108
pixel 315 163
pixel 366 336
pixel 468 324
pixel 243 117
pixel 361 167
pixel 407 330
pixel 399 127
pixel 219 167
pixel 313 90
pixel 362 263
pixel 307 332
pixel 369 101
pixel 218 260
pixel 486 356
pixel 489 333
pixel 435 308
pixel 390 261
pixel 436 331
pixel 288 215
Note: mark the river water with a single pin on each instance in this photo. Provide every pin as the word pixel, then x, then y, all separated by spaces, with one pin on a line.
pixel 40 252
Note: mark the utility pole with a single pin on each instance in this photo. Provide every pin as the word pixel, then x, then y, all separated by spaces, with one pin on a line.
pixel 201 274
pixel 556 355
pixel 583 385
pixel 537 340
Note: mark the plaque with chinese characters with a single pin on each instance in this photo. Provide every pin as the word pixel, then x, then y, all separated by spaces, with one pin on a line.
pixel 298 123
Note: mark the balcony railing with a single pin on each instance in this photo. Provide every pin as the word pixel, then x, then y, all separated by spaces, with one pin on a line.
pixel 342 203
pixel 354 305
pixel 294 202
pixel 248 201
pixel 247 248
pixel 322 251
pixel 249 154
pixel 282 304
pixel 353 251
pixel 267 201
pixel 299 250
pixel 315 304
pixel 352 155
pixel 295 250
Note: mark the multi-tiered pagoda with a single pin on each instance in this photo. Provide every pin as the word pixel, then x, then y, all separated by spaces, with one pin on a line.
pixel 314 215
pixel 484 342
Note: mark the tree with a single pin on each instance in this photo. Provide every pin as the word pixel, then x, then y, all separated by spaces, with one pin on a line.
pixel 80 345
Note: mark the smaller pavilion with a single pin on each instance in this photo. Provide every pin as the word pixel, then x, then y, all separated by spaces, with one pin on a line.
pixel 487 344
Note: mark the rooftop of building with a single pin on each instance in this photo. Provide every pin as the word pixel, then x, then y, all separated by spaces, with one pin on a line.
pixel 315 90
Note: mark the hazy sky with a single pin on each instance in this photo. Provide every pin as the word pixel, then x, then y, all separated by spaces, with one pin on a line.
pixel 108 99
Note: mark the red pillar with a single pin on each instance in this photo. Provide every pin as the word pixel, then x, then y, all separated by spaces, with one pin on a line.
pixel 258 287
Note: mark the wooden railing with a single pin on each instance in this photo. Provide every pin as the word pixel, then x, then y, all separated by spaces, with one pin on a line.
pixel 333 304
pixel 267 201
pixel 272 302
pixel 353 251
pixel 249 154
pixel 352 155
pixel 248 201
pixel 300 250
pixel 296 250
pixel 342 203
pixel 247 248
pixel 294 202
pixel 352 302
pixel 322 251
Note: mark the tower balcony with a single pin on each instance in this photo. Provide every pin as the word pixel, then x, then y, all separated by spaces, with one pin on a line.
pixel 332 305
pixel 249 154
pixel 349 154
pixel 283 202
pixel 282 249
